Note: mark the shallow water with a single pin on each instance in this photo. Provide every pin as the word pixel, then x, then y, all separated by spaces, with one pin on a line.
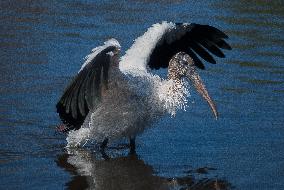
pixel 42 46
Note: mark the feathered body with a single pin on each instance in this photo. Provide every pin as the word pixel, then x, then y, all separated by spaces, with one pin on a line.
pixel 129 106
pixel 111 98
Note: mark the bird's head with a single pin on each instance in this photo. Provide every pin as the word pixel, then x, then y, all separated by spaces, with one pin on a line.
pixel 182 66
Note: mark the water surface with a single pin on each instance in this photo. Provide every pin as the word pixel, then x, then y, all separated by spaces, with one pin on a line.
pixel 42 46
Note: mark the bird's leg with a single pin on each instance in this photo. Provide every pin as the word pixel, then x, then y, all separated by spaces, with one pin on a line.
pixel 102 149
pixel 104 144
pixel 132 145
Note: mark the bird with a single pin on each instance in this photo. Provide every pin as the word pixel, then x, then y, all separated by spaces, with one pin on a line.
pixel 114 97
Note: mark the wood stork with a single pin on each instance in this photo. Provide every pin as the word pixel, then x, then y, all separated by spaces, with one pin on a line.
pixel 112 97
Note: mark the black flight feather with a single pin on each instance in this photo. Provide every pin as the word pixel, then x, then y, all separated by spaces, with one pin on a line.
pixel 84 92
pixel 201 40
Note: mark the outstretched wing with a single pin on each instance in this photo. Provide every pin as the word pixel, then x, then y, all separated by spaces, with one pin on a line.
pixel 194 39
pixel 161 42
pixel 84 92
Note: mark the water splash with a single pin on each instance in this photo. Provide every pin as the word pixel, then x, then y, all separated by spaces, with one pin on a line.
pixel 79 137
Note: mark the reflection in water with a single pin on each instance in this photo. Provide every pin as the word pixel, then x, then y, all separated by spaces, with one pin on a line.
pixel 128 172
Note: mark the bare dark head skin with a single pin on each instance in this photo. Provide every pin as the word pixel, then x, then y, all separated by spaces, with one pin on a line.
pixel 182 65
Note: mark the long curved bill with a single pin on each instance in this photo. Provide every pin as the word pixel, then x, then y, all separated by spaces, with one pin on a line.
pixel 200 87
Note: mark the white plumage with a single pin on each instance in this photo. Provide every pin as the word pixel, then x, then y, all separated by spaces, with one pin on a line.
pixel 141 49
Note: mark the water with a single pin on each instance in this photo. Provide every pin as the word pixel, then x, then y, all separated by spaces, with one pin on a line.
pixel 42 46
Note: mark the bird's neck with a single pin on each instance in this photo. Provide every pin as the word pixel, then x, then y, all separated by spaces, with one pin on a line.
pixel 174 76
pixel 176 93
